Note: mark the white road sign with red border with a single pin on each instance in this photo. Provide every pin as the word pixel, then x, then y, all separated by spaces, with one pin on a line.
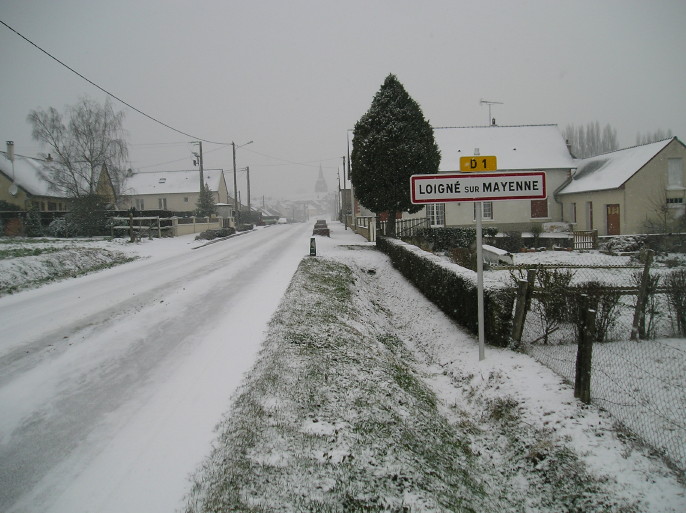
pixel 447 187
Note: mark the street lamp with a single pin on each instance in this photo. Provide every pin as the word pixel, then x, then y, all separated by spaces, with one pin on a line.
pixel 235 183
pixel 247 170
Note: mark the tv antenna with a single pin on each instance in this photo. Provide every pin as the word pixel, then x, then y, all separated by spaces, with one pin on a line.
pixel 491 121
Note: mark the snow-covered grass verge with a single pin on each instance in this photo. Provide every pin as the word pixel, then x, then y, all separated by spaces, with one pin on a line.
pixel 363 401
pixel 28 263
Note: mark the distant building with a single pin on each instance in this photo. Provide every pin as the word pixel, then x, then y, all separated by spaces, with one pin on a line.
pixel 177 191
pixel 320 187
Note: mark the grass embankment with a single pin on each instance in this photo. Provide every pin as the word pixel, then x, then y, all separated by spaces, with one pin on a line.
pixel 38 261
pixel 335 416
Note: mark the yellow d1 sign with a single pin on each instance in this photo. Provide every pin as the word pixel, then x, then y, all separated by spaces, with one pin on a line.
pixel 478 163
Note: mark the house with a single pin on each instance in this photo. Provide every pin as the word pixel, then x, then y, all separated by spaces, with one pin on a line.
pixel 641 189
pixel 22 184
pixel 517 149
pixel 176 191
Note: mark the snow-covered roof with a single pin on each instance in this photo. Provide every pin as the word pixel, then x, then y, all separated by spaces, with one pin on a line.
pixel 611 170
pixel 27 175
pixel 172 182
pixel 529 147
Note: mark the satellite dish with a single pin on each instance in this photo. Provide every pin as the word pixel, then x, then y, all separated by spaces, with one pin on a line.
pixel 13 190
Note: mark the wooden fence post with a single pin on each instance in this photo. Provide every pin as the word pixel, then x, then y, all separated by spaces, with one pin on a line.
pixel 584 355
pixel 524 292
pixel 131 239
pixel 638 326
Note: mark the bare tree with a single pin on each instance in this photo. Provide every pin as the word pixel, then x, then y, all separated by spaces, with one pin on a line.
pixel 651 137
pixel 591 140
pixel 660 216
pixel 88 137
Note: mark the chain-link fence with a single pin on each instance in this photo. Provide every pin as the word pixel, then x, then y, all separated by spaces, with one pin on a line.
pixel 638 365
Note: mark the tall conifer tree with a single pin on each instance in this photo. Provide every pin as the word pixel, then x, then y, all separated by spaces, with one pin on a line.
pixel 391 142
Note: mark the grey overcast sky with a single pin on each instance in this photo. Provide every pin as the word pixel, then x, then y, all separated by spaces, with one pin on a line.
pixel 294 75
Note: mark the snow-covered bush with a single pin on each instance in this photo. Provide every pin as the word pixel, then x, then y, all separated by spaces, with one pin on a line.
pixel 512 242
pixel 552 302
pixel 215 234
pixel 676 294
pixel 444 239
pixel 62 227
pixel 624 244
pixel 32 225
pixel 651 308
pixel 606 303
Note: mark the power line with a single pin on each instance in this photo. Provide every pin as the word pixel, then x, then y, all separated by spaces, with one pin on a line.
pixel 310 163
pixel 107 92
pixel 195 137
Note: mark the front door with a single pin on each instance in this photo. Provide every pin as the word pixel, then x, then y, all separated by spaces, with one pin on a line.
pixel 613 219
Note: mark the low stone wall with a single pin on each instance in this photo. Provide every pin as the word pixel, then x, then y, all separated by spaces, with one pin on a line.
pixel 179 229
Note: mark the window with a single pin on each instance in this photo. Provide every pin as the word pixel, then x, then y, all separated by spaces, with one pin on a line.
pixel 162 202
pixel 675 173
pixel 185 199
pixel 539 208
pixel 677 207
pixel 572 212
pixel 140 204
pixel 589 215
pixel 486 209
pixel 435 212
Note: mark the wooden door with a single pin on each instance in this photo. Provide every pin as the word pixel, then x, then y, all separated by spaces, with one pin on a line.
pixel 613 219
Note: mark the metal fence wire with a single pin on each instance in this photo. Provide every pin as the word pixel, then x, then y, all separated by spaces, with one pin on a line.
pixel 638 366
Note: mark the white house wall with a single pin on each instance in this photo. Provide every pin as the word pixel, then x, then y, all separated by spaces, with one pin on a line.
pixel 511 215
pixel 639 199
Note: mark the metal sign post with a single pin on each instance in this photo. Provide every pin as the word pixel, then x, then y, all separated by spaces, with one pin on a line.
pixel 478 187
pixel 480 282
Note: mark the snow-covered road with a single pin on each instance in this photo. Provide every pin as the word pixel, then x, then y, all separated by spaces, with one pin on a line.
pixel 111 384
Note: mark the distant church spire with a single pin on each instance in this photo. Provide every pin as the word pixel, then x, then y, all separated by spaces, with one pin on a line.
pixel 320 186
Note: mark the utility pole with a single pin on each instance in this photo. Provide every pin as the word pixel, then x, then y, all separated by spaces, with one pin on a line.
pixel 235 187
pixel 199 157
pixel 247 168
pixel 198 160
pixel 235 184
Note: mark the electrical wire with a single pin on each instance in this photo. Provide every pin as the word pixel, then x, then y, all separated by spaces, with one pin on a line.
pixel 195 137
pixel 310 163
pixel 109 93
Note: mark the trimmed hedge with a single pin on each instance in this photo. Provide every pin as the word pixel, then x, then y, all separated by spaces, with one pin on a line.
pixel 443 239
pixel 455 294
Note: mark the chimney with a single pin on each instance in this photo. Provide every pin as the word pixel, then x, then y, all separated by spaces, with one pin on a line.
pixel 10 150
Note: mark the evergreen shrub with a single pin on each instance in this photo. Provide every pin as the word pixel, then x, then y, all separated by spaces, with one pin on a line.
pixel 444 239
pixel 455 294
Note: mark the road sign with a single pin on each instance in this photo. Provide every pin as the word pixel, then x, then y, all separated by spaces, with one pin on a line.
pixel 478 163
pixel 444 187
